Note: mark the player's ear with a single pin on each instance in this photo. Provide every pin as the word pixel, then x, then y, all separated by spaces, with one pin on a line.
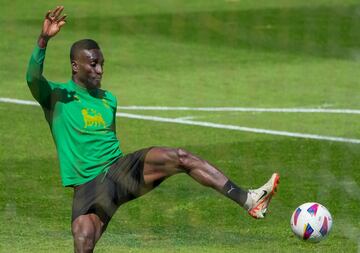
pixel 74 66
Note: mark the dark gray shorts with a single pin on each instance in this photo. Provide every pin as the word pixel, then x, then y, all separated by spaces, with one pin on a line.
pixel 105 193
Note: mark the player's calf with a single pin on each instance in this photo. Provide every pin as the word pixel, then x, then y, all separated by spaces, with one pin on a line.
pixel 202 171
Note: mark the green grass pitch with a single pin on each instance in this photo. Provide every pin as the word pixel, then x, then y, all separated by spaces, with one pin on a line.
pixel 229 53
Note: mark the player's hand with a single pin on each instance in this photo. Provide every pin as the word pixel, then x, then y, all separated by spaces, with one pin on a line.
pixel 53 22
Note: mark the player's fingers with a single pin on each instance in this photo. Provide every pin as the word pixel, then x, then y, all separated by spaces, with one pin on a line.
pixel 48 14
pixel 62 18
pixel 58 11
pixel 52 13
pixel 61 23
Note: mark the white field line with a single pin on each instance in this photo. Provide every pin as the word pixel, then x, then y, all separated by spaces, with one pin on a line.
pixel 18 101
pixel 209 124
pixel 187 118
pixel 238 128
pixel 210 109
pixel 239 109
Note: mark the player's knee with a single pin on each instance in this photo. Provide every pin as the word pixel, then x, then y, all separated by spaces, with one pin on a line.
pixel 175 156
pixel 84 237
pixel 188 161
pixel 84 241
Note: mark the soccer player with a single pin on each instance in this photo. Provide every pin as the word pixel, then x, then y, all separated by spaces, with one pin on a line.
pixel 81 117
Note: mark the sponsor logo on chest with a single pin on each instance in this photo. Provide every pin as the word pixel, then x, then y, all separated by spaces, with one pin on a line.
pixel 92 118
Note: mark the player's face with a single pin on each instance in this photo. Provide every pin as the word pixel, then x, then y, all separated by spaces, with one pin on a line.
pixel 90 65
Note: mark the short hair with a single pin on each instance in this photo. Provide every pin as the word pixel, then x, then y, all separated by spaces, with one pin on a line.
pixel 81 45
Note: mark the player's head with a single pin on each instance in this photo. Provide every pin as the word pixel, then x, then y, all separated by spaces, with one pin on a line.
pixel 87 63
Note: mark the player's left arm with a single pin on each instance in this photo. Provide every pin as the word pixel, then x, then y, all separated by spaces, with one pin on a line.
pixel 39 86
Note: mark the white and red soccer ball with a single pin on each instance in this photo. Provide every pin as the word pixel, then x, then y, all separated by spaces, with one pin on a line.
pixel 311 222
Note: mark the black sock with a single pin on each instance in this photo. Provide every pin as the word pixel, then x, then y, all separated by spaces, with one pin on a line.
pixel 235 193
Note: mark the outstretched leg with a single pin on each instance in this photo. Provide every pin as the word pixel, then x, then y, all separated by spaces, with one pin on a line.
pixel 161 163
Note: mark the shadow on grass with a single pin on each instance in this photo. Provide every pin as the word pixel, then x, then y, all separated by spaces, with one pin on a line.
pixel 319 31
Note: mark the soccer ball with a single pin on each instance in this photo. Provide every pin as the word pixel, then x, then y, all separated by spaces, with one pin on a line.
pixel 311 222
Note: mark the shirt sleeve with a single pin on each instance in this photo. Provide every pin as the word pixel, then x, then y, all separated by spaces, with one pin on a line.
pixel 39 86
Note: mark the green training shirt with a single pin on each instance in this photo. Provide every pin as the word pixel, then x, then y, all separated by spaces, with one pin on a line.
pixel 82 123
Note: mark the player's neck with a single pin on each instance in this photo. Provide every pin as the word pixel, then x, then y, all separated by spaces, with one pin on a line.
pixel 82 84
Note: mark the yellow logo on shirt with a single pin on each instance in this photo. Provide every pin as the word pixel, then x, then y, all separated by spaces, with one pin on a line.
pixel 92 118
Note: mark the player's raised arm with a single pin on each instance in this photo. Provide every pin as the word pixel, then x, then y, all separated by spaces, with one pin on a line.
pixel 39 86
pixel 52 25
